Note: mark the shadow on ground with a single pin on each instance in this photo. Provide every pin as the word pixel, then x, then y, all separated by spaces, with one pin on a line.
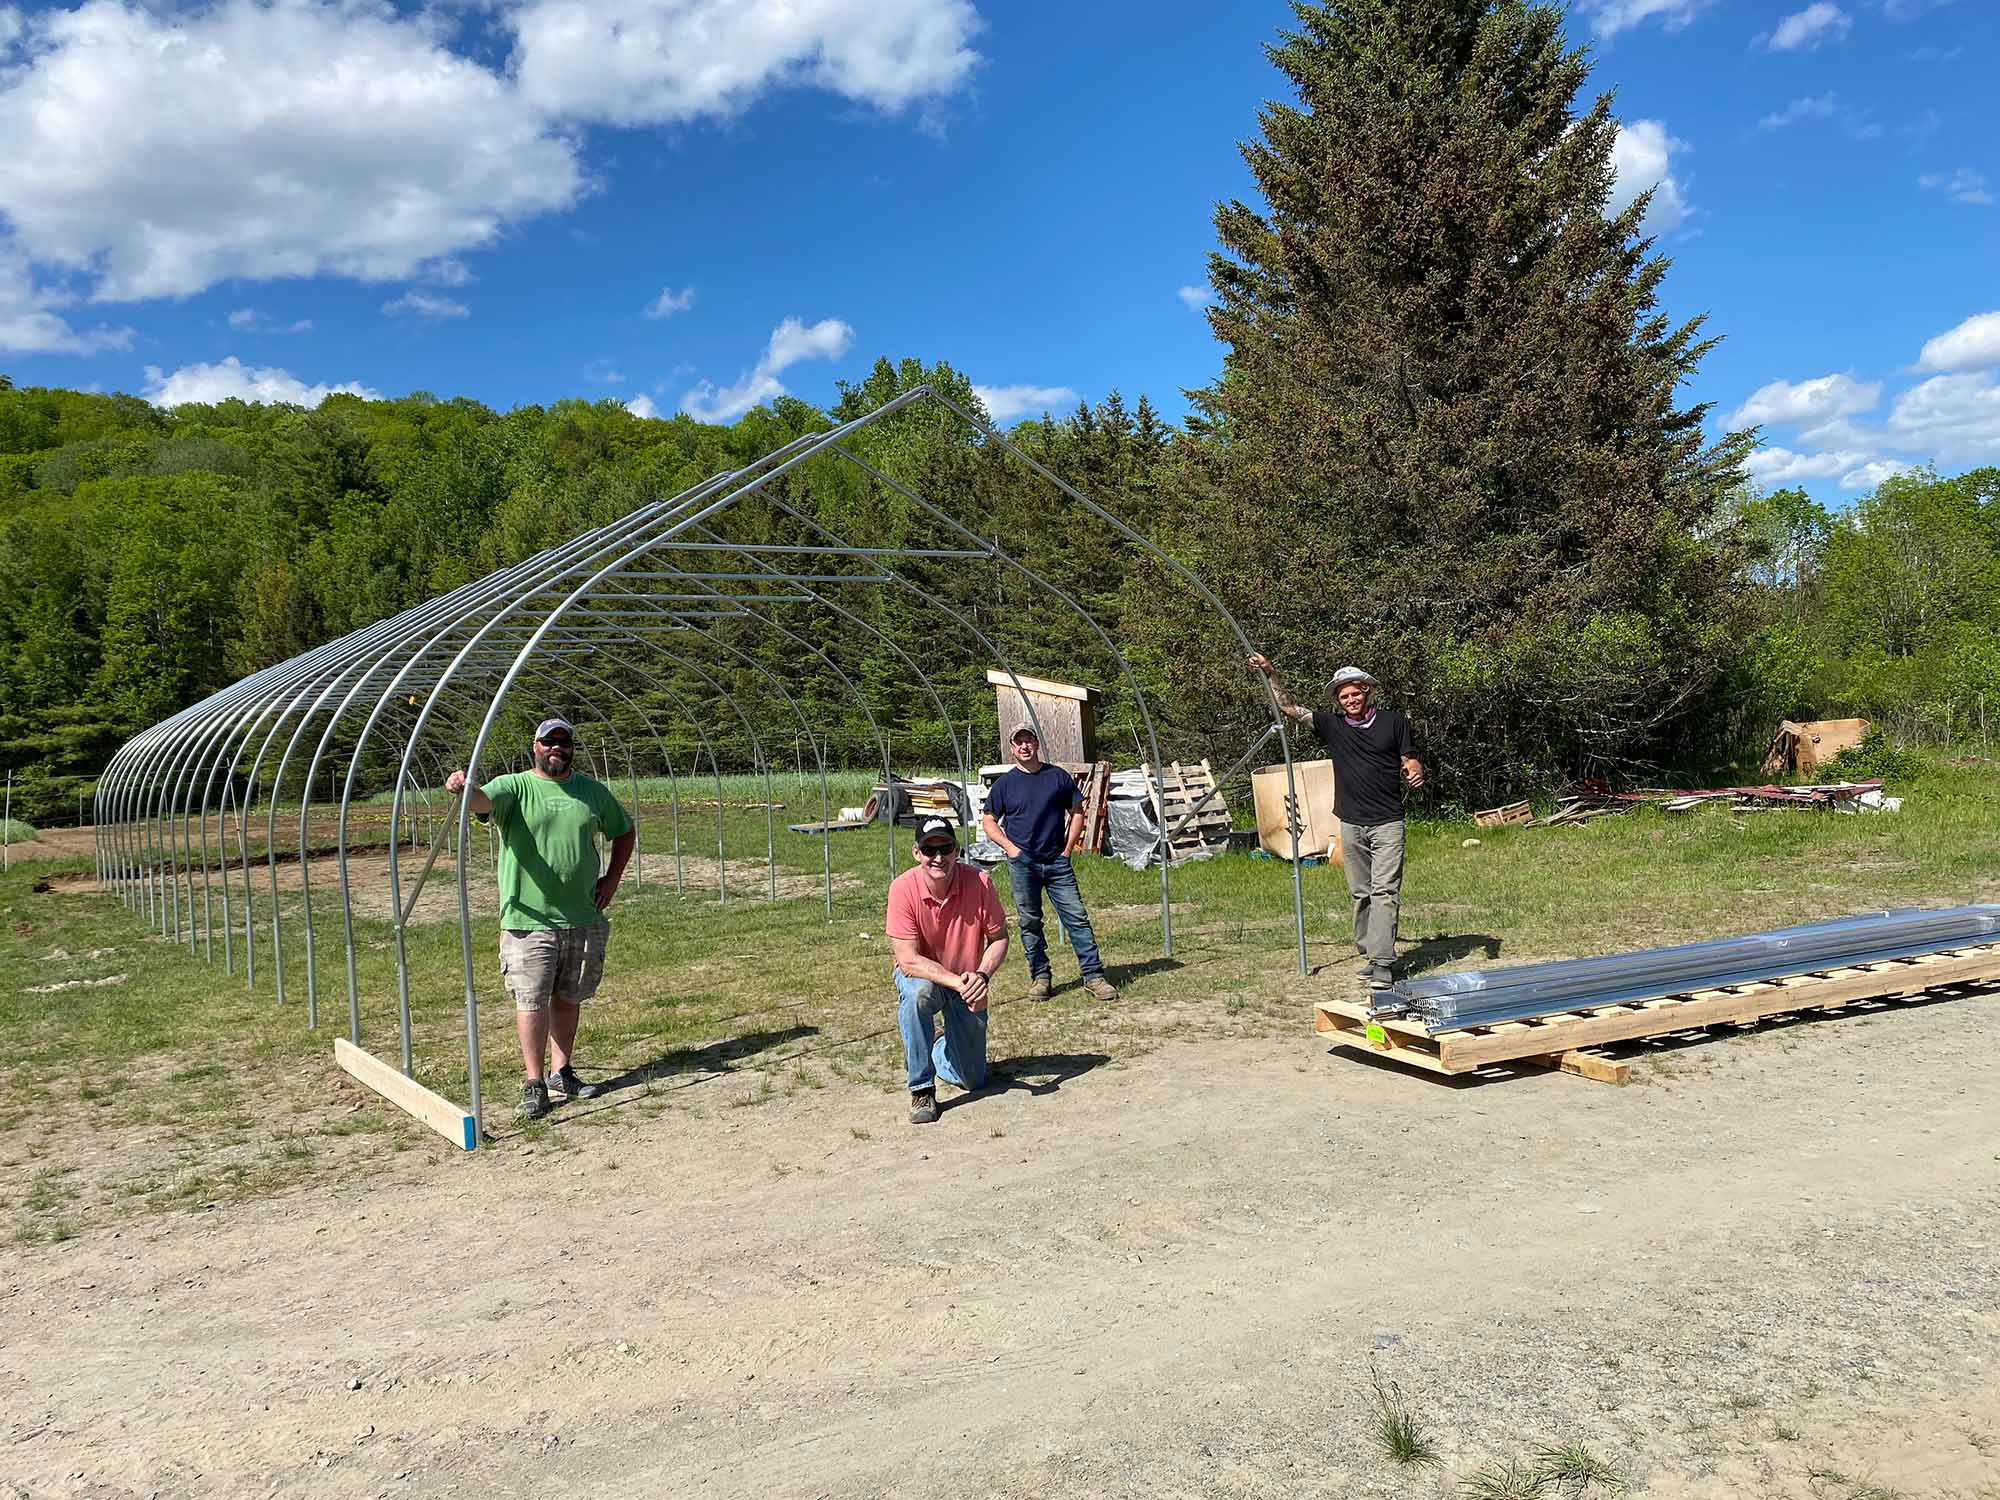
pixel 713 1058
pixel 1436 952
pixel 1035 1073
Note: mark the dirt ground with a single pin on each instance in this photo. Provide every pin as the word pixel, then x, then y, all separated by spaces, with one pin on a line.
pixel 1767 1268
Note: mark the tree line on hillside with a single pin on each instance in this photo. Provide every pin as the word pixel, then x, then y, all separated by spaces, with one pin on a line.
pixel 1444 443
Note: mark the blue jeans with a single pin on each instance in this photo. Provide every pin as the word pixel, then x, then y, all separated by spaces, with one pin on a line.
pixel 1031 877
pixel 959 1056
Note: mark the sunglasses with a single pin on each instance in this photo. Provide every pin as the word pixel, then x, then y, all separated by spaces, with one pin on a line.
pixel 557 745
pixel 936 851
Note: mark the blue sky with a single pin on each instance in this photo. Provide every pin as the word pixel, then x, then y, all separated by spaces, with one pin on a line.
pixel 696 204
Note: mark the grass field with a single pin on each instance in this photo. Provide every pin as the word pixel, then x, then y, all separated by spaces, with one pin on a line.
pixel 176 1085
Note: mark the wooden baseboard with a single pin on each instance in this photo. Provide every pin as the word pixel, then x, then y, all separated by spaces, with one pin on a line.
pixel 447 1119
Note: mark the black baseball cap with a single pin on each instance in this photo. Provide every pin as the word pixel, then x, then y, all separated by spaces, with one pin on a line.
pixel 934 829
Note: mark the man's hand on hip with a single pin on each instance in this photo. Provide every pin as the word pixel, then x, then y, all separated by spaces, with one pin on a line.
pixel 606 889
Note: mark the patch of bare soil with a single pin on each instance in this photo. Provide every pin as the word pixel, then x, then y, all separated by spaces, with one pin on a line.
pixel 1765 1269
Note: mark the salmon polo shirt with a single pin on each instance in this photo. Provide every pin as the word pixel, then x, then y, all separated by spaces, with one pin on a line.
pixel 954 931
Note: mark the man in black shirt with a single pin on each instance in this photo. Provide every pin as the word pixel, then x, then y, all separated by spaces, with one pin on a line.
pixel 1373 759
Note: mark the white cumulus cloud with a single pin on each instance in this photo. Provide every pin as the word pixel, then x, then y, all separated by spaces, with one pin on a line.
pixel 1642 158
pixel 643 408
pixel 30 324
pixel 1783 466
pixel 1807 403
pixel 1972 345
pixel 1819 22
pixel 632 62
pixel 208 384
pixel 670 302
pixel 164 151
pixel 1609 17
pixel 1004 403
pixel 1954 417
pixel 1195 298
pixel 425 305
pixel 1871 474
pixel 791 341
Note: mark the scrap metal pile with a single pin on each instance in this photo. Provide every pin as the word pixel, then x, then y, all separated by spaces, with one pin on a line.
pixel 1494 996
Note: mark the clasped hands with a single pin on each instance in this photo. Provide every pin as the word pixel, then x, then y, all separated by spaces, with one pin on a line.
pixel 973 988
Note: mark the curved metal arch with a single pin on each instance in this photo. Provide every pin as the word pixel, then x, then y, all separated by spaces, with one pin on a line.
pixel 148 785
pixel 930 688
pixel 1104 639
pixel 1208 595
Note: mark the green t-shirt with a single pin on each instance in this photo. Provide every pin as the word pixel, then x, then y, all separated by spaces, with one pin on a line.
pixel 548 848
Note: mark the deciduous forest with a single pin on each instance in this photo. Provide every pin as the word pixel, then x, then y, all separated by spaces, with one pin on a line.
pixel 1444 442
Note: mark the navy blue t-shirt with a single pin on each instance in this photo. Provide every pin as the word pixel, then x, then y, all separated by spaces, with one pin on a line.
pixel 1035 809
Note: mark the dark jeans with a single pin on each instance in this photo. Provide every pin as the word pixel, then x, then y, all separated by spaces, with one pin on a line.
pixel 1031 877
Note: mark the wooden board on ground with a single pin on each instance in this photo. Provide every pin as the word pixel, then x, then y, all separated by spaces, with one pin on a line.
pixel 447 1119
pixel 1562 1041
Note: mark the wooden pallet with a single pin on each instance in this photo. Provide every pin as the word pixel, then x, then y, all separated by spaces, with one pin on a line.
pixel 1183 790
pixel 1564 1041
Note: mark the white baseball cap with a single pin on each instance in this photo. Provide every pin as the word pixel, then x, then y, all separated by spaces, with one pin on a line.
pixel 1350 674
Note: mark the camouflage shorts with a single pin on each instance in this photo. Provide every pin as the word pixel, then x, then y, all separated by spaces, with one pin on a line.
pixel 566 964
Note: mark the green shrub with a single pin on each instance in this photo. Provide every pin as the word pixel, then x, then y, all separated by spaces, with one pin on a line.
pixel 1877 756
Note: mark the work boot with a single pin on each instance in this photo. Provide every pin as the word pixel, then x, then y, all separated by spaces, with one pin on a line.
pixel 923 1107
pixel 1098 987
pixel 1040 987
pixel 534 1099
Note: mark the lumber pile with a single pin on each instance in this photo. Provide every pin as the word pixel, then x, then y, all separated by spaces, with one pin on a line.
pixel 1596 800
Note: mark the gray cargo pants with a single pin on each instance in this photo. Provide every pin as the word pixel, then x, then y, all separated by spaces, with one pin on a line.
pixel 1373 856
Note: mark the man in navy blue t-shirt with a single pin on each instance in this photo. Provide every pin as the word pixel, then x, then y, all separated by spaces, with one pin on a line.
pixel 1035 813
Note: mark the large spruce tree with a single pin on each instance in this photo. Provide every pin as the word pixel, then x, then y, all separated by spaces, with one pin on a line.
pixel 1445 442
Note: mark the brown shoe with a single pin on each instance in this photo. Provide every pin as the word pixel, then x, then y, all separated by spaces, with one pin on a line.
pixel 1041 987
pixel 923 1107
pixel 1100 988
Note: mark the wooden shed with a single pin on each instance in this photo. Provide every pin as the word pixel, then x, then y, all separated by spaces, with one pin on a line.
pixel 1799 748
pixel 1067 715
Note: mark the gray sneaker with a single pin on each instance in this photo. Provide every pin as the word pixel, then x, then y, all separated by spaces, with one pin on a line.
pixel 1381 977
pixel 569 1086
pixel 923 1107
pixel 534 1099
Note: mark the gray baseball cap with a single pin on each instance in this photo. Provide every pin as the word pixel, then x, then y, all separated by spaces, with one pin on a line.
pixel 549 726
pixel 1349 674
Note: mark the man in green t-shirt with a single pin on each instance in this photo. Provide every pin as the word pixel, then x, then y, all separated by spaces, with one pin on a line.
pixel 552 900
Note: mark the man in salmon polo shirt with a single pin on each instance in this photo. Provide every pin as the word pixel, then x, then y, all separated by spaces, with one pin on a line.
pixel 949 936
